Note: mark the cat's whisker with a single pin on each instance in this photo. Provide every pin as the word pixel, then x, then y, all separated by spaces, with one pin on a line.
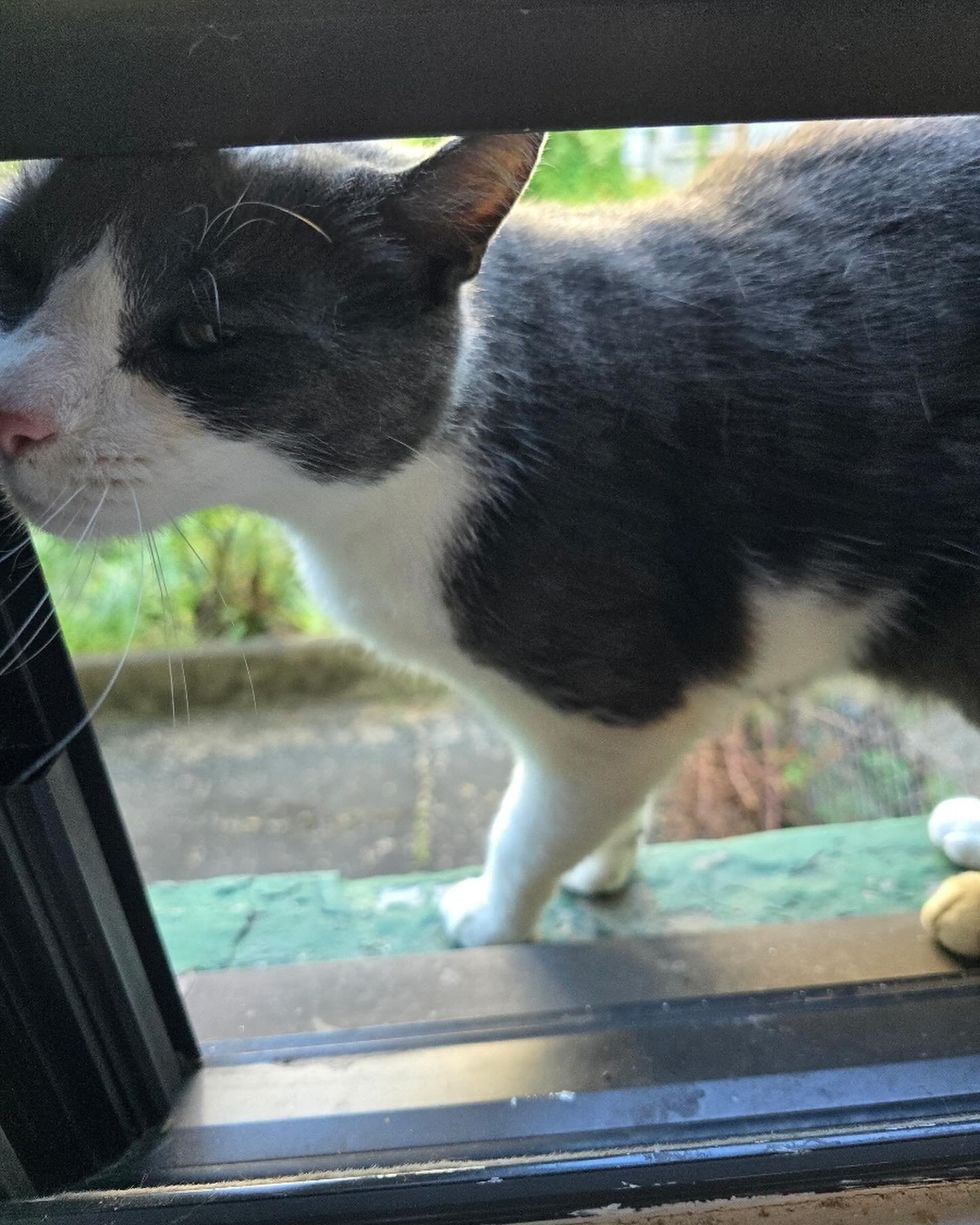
pixel 43 523
pixel 37 566
pixel 217 299
pixel 289 212
pixel 305 220
pixel 207 570
pixel 51 753
pixel 868 540
pixel 195 295
pixel 32 570
pixel 228 212
pixel 204 209
pixel 21 661
pixel 15 638
pixel 412 450
pixel 27 625
pixel 960 548
pixel 927 411
pixel 324 457
pixel 167 622
pixel 950 561
pixel 173 626
pixel 241 226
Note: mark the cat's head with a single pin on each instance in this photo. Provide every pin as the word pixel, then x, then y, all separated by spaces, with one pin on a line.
pixel 175 331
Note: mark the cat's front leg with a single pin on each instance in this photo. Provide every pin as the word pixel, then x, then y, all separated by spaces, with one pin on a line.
pixel 548 822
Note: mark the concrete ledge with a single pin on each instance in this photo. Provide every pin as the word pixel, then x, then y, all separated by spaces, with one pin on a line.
pixel 217 676
pixel 817 872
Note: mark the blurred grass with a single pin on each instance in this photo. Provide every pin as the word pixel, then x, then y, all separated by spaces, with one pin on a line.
pixel 587 168
pixel 247 584
pixel 225 574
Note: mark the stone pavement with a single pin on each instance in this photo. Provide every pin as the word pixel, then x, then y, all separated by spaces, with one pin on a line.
pixel 384 787
pixel 365 788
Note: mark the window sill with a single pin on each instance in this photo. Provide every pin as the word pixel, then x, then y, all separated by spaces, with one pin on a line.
pixel 639 1073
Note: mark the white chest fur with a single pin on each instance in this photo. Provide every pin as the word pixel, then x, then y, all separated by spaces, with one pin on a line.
pixel 373 555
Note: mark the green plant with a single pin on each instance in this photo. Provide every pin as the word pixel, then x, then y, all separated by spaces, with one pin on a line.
pixel 220 573
pixel 586 167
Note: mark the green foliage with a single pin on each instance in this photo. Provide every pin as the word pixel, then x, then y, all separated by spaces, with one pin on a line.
pixel 586 167
pixel 225 574
pixel 847 760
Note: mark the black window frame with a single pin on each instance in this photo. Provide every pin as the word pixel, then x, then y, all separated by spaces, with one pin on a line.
pixel 97 1060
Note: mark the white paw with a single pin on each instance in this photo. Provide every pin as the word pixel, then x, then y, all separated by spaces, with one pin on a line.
pixel 955 828
pixel 470 919
pixel 952 914
pixel 605 871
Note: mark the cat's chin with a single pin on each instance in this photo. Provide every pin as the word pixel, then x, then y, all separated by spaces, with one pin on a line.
pixel 96 513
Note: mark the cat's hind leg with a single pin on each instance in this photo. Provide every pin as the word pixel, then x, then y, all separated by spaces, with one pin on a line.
pixel 609 867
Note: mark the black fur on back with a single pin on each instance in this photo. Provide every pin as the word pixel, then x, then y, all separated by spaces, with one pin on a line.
pixel 775 376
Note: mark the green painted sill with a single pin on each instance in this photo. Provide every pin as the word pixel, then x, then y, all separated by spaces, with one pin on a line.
pixel 818 872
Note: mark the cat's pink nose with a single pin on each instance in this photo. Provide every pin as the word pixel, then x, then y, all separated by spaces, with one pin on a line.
pixel 21 431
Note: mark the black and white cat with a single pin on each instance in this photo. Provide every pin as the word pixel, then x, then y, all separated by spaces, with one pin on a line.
pixel 650 461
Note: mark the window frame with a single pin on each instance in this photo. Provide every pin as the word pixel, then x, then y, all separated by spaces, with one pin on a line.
pixel 94 1039
pixel 637 1144
pixel 186 73
pixel 179 74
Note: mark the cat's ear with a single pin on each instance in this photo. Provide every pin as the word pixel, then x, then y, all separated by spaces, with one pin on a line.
pixel 449 206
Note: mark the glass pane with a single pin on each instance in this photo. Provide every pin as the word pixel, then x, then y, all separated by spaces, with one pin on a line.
pixel 294 801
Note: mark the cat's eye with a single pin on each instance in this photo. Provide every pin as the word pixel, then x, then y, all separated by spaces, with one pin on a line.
pixel 199 335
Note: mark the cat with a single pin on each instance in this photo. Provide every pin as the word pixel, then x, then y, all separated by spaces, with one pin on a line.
pixel 611 472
